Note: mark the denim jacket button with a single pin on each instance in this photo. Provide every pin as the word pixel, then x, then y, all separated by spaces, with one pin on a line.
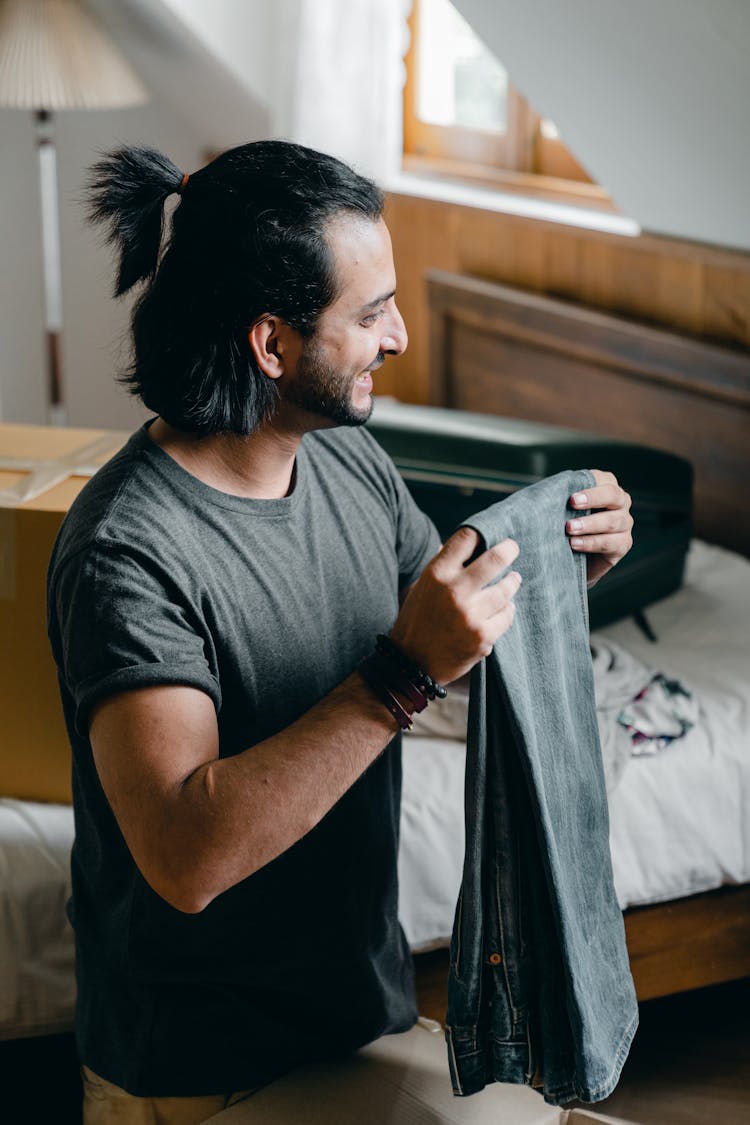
pixel 495 959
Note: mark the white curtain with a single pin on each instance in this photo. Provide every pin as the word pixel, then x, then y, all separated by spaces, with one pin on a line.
pixel 341 85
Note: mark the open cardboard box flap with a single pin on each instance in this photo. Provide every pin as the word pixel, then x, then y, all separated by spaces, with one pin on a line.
pixel 398 1080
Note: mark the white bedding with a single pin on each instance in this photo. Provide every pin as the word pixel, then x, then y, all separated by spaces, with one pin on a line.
pixel 37 985
pixel 679 820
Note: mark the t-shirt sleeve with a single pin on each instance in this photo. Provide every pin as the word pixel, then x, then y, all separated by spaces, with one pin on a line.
pixel 121 623
pixel 417 538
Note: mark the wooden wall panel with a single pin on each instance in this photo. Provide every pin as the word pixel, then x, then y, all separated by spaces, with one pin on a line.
pixel 701 290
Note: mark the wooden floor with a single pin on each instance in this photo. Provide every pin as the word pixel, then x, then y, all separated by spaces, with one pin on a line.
pixel 689 1064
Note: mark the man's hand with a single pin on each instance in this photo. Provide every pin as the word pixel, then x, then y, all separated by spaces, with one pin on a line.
pixel 605 535
pixel 456 610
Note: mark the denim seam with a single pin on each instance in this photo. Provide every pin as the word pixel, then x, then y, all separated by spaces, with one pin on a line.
pixel 501 932
pixel 456 965
pixel 516 1010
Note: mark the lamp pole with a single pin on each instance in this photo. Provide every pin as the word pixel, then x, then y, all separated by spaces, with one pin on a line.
pixel 54 56
pixel 57 413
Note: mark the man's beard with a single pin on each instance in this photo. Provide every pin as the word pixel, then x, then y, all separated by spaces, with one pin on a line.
pixel 322 390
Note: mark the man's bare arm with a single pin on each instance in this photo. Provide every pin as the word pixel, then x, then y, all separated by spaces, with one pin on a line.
pixel 197 824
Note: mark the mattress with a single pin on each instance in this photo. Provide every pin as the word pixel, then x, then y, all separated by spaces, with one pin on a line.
pixel 679 819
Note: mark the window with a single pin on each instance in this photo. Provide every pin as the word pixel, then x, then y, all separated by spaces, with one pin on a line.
pixel 464 118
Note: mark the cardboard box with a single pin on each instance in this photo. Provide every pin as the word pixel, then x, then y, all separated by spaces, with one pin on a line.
pixel 401 1080
pixel 42 470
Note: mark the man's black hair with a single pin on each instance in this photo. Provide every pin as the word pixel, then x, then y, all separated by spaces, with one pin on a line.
pixel 247 238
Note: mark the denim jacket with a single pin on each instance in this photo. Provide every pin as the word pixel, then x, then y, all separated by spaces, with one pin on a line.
pixel 539 988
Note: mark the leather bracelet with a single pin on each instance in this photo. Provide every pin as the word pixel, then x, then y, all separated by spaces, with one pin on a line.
pixel 395 679
pixel 422 680
pixel 372 679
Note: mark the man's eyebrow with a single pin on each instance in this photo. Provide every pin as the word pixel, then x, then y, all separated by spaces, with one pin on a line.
pixel 378 301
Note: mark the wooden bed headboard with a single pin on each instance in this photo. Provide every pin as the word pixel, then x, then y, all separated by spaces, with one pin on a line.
pixel 501 350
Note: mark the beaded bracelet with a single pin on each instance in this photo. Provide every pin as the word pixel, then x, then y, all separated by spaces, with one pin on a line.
pixel 388 671
pixel 421 679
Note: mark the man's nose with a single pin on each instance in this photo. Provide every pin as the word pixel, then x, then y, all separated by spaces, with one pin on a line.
pixel 395 338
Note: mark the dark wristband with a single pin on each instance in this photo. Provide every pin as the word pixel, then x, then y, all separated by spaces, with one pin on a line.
pixel 371 676
pixel 396 680
pixel 421 680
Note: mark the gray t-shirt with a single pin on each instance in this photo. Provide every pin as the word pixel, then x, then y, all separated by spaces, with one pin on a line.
pixel 265 605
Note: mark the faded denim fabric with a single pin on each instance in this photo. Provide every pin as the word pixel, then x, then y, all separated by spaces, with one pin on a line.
pixel 539 988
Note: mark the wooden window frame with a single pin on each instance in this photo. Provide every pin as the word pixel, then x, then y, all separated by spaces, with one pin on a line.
pixel 522 159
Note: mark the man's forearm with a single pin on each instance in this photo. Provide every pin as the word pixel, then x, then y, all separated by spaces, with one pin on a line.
pixel 234 815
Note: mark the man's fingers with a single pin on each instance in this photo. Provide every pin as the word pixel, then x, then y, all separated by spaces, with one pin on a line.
pixel 455 552
pixel 492 562
pixel 457 609
pixel 610 521
pixel 493 599
pixel 606 495
pixel 452 560
pixel 618 544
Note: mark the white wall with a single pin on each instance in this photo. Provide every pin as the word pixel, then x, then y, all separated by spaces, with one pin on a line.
pixel 652 97
pixel 240 33
pixel 95 325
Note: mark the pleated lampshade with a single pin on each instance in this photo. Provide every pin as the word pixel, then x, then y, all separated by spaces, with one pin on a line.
pixel 53 56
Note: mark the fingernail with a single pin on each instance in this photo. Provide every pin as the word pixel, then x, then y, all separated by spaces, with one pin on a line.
pixel 517 576
pixel 576 542
pixel 576 525
pixel 580 498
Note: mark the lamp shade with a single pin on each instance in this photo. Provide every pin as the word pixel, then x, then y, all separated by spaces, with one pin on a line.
pixel 53 56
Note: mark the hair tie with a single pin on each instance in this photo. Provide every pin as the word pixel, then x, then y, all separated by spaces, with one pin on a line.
pixel 183 183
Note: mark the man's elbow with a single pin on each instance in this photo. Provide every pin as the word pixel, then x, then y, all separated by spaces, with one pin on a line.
pixel 189 888
pixel 183 890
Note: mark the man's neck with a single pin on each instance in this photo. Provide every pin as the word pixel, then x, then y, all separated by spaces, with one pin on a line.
pixel 258 467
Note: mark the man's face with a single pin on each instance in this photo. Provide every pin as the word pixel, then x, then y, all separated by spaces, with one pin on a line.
pixel 333 377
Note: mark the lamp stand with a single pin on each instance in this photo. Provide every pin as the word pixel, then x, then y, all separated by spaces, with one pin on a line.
pixel 56 410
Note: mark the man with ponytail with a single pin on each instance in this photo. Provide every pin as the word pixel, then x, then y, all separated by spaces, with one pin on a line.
pixel 215 596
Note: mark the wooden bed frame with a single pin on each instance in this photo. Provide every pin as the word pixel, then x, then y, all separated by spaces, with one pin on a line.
pixel 500 350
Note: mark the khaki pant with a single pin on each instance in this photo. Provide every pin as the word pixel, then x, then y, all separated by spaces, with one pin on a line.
pixel 103 1102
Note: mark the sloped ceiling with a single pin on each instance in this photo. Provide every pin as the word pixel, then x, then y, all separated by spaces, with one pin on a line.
pixel 652 96
pixel 181 67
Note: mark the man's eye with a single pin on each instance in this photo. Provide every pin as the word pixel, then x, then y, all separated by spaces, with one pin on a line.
pixel 371 319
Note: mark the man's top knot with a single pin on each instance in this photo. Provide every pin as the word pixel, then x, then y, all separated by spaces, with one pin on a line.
pixel 126 192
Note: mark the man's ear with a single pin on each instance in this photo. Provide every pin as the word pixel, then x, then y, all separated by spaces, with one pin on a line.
pixel 274 344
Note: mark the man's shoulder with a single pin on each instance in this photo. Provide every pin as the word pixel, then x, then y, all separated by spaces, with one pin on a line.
pixel 123 502
pixel 350 448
